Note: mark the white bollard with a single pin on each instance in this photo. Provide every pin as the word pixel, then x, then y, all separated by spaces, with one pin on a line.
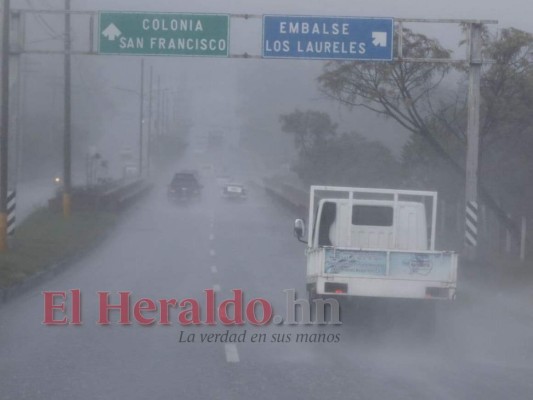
pixel 523 236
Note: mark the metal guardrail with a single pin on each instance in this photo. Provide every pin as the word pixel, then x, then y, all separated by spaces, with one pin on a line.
pixel 123 195
pixel 291 196
pixel 113 199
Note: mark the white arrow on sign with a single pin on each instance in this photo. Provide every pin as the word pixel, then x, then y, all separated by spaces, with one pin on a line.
pixel 379 39
pixel 112 32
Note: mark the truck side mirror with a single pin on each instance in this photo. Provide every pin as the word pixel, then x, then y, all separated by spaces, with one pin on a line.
pixel 299 230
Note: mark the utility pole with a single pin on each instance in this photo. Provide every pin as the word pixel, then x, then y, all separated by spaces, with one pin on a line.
pixel 163 105
pixel 159 105
pixel 4 125
pixel 472 154
pixel 67 140
pixel 150 111
pixel 141 118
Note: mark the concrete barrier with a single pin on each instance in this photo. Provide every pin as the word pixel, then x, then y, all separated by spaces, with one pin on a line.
pixel 292 197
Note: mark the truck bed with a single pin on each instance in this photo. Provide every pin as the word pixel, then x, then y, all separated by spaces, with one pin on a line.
pixel 382 273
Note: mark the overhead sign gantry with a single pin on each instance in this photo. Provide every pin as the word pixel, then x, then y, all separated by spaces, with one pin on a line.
pixel 284 36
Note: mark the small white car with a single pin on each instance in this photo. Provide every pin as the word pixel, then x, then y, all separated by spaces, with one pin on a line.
pixel 233 191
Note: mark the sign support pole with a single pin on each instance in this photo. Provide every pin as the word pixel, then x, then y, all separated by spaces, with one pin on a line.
pixel 472 153
pixel 150 120
pixel 67 145
pixel 141 120
pixel 4 125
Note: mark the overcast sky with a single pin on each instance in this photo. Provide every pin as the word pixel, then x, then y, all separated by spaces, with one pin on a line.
pixel 234 93
pixel 510 13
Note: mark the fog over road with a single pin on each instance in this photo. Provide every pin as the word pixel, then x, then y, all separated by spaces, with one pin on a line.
pixel 482 348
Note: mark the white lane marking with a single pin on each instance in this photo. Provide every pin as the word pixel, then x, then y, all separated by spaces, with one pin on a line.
pixel 216 287
pixel 232 354
pixel 214 269
pixel 211 237
pixel 212 252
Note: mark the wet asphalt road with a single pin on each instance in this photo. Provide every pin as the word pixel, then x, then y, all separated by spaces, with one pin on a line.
pixel 483 348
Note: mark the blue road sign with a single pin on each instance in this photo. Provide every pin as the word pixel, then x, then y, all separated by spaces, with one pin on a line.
pixel 328 38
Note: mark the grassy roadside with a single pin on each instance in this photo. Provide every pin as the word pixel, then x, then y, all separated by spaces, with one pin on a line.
pixel 45 238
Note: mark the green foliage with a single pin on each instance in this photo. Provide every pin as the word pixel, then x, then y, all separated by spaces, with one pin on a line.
pixel 424 169
pixel 310 128
pixel 506 166
pixel 394 90
pixel 46 238
pixel 507 128
pixel 507 86
pixel 326 158
pixel 349 160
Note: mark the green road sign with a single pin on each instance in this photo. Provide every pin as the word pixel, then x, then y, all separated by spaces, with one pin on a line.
pixel 165 34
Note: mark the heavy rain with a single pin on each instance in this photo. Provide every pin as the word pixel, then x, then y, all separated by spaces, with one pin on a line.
pixel 245 199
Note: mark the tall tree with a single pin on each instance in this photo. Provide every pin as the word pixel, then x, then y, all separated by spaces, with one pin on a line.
pixel 328 158
pixel 309 128
pixel 406 93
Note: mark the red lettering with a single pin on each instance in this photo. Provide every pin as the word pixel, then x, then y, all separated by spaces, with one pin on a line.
pixel 76 307
pixel 266 308
pixel 50 307
pixel 165 305
pixel 144 305
pixel 236 302
pixel 210 303
pixel 123 307
pixel 190 316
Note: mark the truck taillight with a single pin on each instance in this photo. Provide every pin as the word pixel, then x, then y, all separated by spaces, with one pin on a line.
pixel 337 288
pixel 437 292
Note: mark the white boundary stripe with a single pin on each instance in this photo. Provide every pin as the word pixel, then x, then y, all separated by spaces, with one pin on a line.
pixel 11 195
pixel 471 223
pixel 473 205
pixel 232 354
pixel 11 227
pixel 214 269
pixel 216 287
pixel 11 207
pixel 471 214
pixel 471 228
pixel 470 239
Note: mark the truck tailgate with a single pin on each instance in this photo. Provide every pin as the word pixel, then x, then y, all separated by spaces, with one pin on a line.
pixel 383 272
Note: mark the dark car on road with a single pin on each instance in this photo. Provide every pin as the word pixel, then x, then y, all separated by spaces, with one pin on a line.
pixel 185 185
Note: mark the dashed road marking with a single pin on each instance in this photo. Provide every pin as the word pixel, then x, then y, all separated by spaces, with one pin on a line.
pixel 211 237
pixel 214 269
pixel 232 354
pixel 216 287
pixel 212 252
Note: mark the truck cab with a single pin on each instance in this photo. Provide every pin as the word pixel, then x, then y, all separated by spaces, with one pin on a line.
pixel 367 224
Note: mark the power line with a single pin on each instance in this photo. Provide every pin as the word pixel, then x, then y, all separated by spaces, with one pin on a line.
pixel 39 18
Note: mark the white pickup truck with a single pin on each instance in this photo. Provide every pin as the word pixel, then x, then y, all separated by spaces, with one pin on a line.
pixel 375 243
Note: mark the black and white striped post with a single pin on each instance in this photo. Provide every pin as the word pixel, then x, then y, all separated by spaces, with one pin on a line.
pixel 11 208
pixel 471 226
